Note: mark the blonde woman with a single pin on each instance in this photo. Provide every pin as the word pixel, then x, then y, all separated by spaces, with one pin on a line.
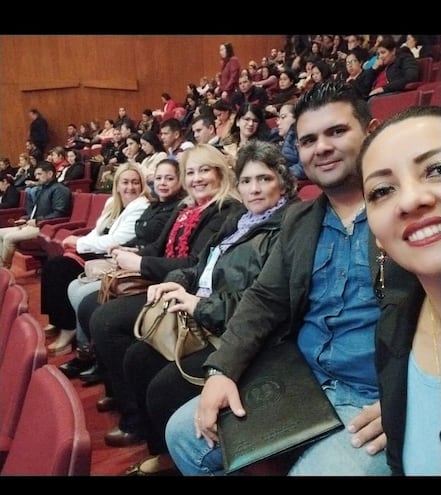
pixel 116 225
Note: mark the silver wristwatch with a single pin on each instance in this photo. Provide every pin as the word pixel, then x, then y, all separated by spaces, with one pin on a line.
pixel 212 372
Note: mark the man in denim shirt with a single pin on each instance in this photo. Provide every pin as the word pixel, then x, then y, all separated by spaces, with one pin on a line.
pixel 317 287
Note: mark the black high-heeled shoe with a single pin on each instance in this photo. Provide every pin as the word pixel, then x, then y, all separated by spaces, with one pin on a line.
pixel 91 376
pixel 75 366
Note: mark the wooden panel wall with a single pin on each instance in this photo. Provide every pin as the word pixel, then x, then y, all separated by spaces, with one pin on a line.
pixel 75 78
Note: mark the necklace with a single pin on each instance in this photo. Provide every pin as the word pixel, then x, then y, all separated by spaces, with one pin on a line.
pixel 435 335
pixel 348 222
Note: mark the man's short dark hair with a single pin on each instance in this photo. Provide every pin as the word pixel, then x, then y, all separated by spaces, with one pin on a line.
pixel 332 92
pixel 46 166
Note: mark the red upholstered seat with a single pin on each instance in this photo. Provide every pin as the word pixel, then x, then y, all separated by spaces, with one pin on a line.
pixel 25 352
pixel 51 438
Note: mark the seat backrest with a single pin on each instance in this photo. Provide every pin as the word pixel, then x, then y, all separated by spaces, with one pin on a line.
pixel 96 207
pixel 6 279
pixel 309 191
pixel 425 68
pixel 430 93
pixel 436 71
pixel 386 105
pixel 8 215
pixel 25 352
pixel 15 303
pixel 51 438
pixel 84 184
pixel 80 212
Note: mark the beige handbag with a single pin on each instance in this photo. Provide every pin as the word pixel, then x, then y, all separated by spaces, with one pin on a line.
pixel 174 335
pixel 96 269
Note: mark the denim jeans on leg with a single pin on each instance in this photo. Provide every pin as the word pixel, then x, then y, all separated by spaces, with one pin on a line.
pixel 76 293
pixel 332 456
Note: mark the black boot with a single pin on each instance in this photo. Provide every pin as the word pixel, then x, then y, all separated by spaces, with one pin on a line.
pixel 83 361
pixel 91 376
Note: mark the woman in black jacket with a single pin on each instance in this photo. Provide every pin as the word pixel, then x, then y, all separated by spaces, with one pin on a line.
pixel 210 291
pixel 401 168
pixel 392 70
pixel 168 193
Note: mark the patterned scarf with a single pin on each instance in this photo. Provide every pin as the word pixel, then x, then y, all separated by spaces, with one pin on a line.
pixel 178 240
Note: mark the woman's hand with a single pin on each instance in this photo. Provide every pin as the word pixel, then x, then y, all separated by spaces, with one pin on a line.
pixel 70 240
pixel 155 292
pixel 127 260
pixel 171 290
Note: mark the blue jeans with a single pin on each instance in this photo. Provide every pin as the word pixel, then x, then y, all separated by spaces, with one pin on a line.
pixel 76 292
pixel 331 456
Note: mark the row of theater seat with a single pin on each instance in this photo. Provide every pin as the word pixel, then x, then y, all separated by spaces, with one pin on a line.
pixel 42 422
pixel 86 208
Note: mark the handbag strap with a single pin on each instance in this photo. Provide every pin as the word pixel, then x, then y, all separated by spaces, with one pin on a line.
pixel 184 330
pixel 138 322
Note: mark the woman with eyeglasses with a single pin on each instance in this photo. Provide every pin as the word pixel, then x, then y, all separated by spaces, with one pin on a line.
pixel 248 124
pixel 356 75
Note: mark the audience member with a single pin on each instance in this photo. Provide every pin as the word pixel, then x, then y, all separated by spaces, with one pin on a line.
pixel 248 93
pixel 53 200
pixel 414 44
pixel 167 110
pixel 25 172
pixel 172 138
pixel 154 153
pixel 148 122
pixel 356 75
pixel 38 130
pixel 224 115
pixel 168 192
pixel 74 168
pixel 287 93
pixel 9 194
pixel 354 42
pixel 229 73
pixel 401 170
pixel 133 151
pixel 72 137
pixel 123 118
pixel 392 70
pixel 249 123
pixel 6 166
pixel 268 81
pixel 115 225
pixel 204 131
pixel 286 136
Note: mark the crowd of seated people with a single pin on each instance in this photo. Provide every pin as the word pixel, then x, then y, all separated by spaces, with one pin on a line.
pixel 230 121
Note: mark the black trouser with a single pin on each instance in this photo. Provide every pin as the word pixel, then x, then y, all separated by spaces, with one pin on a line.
pixel 159 388
pixel 56 275
pixel 110 327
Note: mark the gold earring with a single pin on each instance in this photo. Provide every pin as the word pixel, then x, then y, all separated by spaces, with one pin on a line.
pixel 379 283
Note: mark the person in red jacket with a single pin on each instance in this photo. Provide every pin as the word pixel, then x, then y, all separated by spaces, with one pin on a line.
pixel 230 71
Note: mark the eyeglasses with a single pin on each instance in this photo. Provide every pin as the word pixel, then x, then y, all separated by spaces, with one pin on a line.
pixel 350 62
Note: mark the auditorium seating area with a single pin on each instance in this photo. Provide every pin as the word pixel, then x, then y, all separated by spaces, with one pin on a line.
pixel 33 389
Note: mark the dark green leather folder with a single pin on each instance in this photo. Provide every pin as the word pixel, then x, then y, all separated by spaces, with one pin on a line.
pixel 286 408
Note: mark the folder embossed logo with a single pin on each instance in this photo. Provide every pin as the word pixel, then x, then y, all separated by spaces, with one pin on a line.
pixel 286 408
